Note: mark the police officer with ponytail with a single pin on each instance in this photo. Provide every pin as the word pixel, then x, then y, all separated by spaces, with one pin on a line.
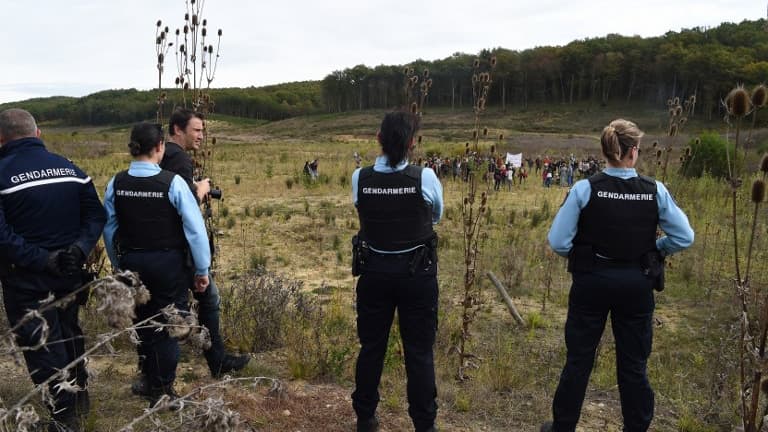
pixel 395 254
pixel 153 227
pixel 607 229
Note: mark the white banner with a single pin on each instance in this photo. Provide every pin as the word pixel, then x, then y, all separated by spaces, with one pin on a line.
pixel 515 159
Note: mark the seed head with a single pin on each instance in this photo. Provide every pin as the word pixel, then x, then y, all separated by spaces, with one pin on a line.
pixel 655 143
pixel 692 99
pixel 476 63
pixel 210 49
pixel 485 131
pixel 764 163
pixel 687 151
pixel 676 101
pixel 405 70
pixel 658 153
pixel 177 32
pixel 697 141
pixel 474 78
pixel 160 58
pixel 678 110
pixel 493 149
pixel 474 134
pixel 205 32
pixel 420 137
pixel 758 191
pixel 205 22
pixel 759 96
pixel 493 61
pixel 673 130
pixel 220 32
pixel 737 102
pixel 683 121
pixel 158 40
pixel 429 83
pixel 159 23
pixel 501 137
pixel 186 29
pixel 213 141
pixel 414 108
pixel 426 73
pixel 177 81
pixel 669 102
pixel 194 20
pixel 186 17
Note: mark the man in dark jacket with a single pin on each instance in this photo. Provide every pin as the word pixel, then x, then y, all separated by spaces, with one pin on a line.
pixel 50 219
pixel 186 134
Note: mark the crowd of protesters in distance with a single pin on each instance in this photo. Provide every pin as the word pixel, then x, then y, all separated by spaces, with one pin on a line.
pixel 553 170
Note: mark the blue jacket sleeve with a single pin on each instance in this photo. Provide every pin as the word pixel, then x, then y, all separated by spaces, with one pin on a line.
pixel 432 191
pixel 194 227
pixel 566 221
pixel 674 223
pixel 355 177
pixel 110 227
pixel 92 218
pixel 18 251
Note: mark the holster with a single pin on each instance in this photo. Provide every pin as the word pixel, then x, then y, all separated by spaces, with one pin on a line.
pixel 359 251
pixel 652 264
pixel 581 259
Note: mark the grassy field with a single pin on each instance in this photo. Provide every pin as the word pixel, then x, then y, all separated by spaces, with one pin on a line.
pixel 272 218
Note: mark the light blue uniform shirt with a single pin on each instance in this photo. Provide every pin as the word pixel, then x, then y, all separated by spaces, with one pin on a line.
pixel 182 199
pixel 672 220
pixel 431 189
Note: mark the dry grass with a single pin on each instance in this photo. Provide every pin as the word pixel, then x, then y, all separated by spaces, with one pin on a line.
pixel 304 231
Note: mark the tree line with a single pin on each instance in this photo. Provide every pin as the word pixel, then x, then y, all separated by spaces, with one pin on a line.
pixel 701 61
pixel 706 62
pixel 275 102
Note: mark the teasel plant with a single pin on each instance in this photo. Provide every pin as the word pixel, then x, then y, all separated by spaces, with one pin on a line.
pixel 474 209
pixel 162 45
pixel 115 297
pixel 678 117
pixel 416 87
pixel 753 322
pixel 197 61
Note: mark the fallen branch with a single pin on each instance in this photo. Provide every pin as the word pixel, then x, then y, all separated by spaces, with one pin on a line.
pixel 507 299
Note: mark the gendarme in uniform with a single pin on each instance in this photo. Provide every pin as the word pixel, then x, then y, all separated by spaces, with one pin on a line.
pixel 397 263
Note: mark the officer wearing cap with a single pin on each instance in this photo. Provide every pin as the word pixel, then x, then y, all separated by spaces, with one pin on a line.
pixel 153 225
pixel 396 257
pixel 607 229
pixel 50 219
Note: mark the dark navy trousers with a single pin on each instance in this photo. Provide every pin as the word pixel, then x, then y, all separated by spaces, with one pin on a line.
pixel 208 306
pixel 23 290
pixel 168 277
pixel 415 298
pixel 627 295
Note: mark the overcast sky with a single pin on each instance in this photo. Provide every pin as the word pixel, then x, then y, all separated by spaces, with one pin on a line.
pixel 76 47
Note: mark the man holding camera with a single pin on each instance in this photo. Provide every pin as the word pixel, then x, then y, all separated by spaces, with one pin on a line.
pixel 186 133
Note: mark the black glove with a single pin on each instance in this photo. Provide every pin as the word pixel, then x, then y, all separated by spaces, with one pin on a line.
pixel 53 263
pixel 71 260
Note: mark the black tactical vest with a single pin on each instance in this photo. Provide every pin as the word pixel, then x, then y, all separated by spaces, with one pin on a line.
pixel 620 219
pixel 392 210
pixel 145 216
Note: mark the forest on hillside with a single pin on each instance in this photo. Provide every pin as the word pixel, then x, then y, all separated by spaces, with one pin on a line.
pixel 706 62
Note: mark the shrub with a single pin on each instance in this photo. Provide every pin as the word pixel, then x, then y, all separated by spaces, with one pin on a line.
pixel 289 183
pixel 257 306
pixel 708 156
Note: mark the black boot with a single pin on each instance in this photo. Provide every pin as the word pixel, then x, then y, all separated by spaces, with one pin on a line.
pixel 368 425
pixel 158 393
pixel 230 363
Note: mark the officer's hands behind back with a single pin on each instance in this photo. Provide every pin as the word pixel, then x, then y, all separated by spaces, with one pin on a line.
pixel 201 283
pixel 71 260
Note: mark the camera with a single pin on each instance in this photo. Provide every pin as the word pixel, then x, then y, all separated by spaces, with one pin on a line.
pixel 215 193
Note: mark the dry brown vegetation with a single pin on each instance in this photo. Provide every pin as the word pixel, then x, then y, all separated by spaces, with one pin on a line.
pixel 272 218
